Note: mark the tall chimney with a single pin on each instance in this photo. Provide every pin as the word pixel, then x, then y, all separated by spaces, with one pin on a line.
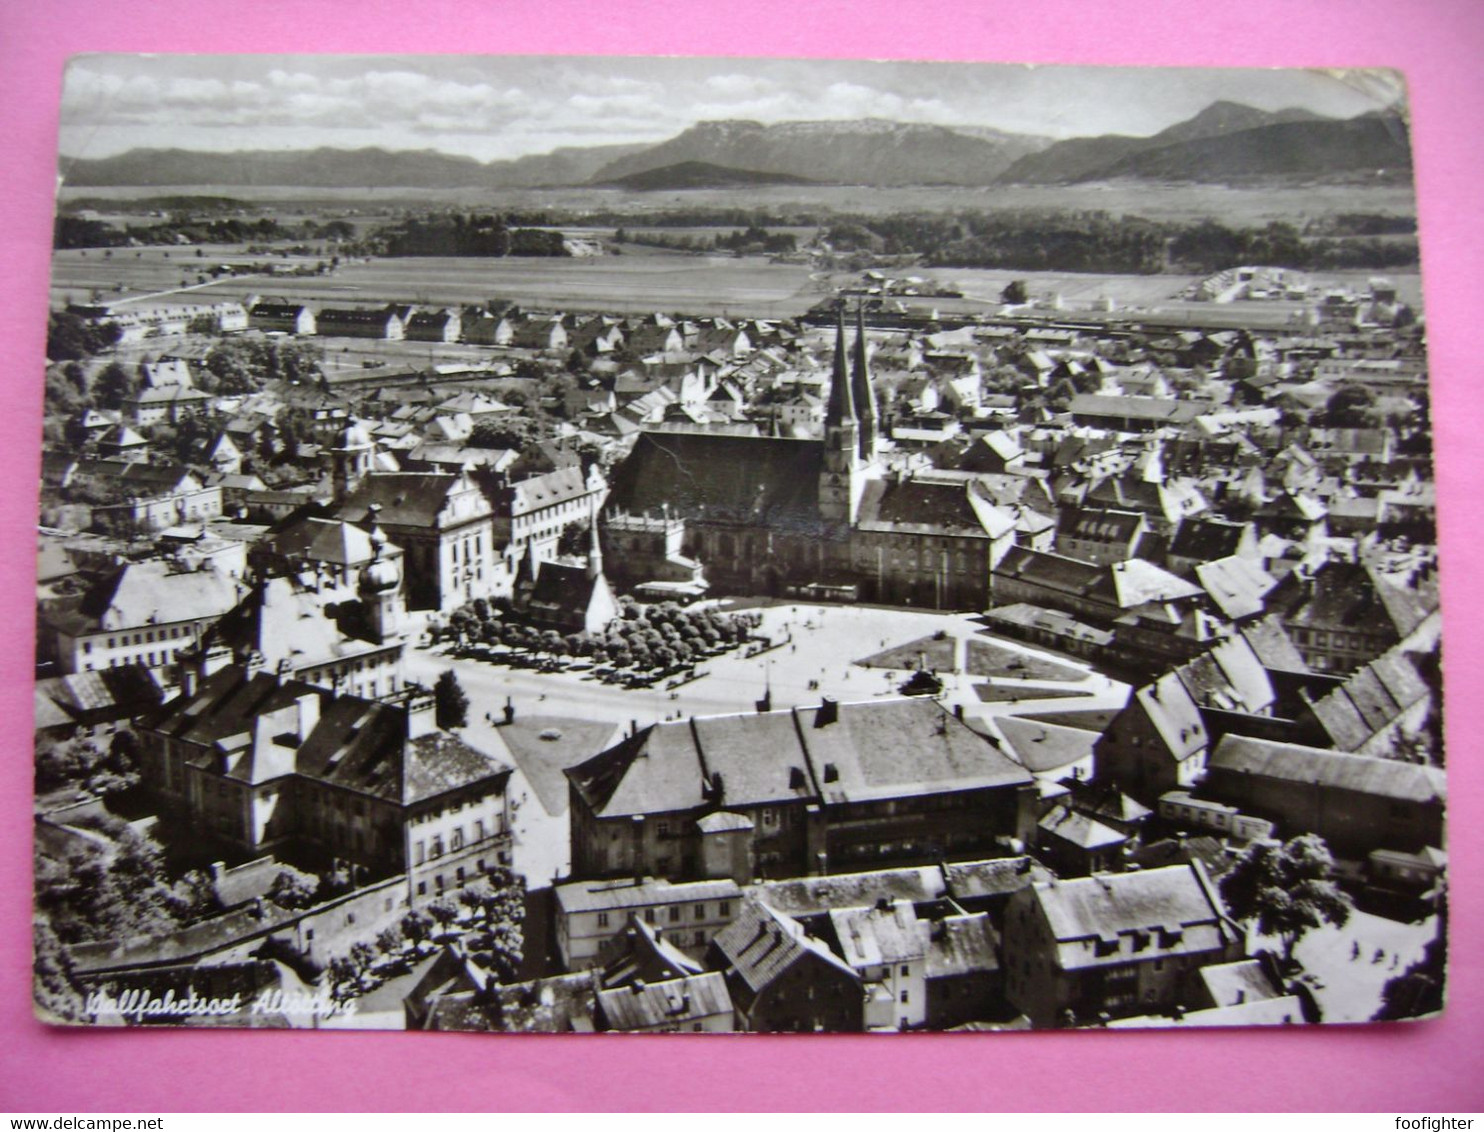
pixel 308 714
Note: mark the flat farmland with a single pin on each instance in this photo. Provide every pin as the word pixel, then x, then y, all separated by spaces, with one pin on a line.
pixel 626 283
pixel 1231 204
pixel 1147 292
pixel 1077 290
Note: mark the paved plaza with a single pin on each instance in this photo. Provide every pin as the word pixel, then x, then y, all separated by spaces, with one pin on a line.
pixel 824 644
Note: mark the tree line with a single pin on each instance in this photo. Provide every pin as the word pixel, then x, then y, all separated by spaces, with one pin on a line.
pixel 1094 241
pixel 73 232
pixel 471 235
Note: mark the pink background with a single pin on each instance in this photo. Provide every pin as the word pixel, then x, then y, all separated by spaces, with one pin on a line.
pixel 1437 1065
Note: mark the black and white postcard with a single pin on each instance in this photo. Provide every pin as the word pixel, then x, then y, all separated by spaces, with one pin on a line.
pixel 661 544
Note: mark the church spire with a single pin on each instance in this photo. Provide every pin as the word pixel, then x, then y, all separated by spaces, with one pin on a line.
pixel 595 549
pixel 841 408
pixel 864 396
pixel 840 481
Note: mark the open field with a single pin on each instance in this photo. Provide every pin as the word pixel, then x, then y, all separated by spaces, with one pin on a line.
pixel 1143 292
pixel 632 283
pixel 1242 204
pixel 640 283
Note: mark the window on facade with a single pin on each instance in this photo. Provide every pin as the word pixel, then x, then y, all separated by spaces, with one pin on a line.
pixel 422 888
pixel 479 830
pixel 904 996
pixel 458 839
pixel 436 849
pixel 602 919
pixel 675 914
pixel 417 853
pixel 700 911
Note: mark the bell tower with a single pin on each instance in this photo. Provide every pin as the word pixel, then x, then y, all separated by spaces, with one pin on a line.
pixel 380 587
pixel 840 481
pixel 351 458
pixel 864 395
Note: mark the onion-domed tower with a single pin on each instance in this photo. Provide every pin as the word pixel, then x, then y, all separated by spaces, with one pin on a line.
pixel 352 455
pixel 380 588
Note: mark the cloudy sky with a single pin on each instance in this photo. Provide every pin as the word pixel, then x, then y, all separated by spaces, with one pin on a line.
pixel 498 107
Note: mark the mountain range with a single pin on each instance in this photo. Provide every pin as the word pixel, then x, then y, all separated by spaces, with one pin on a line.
pixel 1225 141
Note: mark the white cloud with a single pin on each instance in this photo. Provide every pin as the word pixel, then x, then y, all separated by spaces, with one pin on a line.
pixel 493 106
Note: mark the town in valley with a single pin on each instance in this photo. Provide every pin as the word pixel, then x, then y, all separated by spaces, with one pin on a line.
pixel 832 575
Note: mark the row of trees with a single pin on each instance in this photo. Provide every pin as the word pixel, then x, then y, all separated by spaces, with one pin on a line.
pixel 1093 241
pixel 1210 246
pixel 487 916
pixel 116 887
pixel 72 338
pixel 80 763
pixel 753 238
pixel 472 235
pixel 71 232
pixel 644 638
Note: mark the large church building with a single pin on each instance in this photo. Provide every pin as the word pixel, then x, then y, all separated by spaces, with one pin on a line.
pixel 807 517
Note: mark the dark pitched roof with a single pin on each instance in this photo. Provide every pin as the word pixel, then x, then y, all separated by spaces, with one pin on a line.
pixel 900 748
pixel 1272 646
pixel 975 880
pixel 1174 899
pixel 674 1002
pixel 962 945
pixel 224 705
pixel 879 749
pixel 808 896
pixel 925 505
pixel 409 499
pixel 753 480
pixel 1387 778
pixel 1205 539
pixel 1157 409
pixel 760 945
pixel 563 591
pixel 1347 595
pixel 1096 524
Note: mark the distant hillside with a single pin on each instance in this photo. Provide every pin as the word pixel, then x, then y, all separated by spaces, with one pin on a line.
pixel 339 168
pixel 1224 141
pixel 865 152
pixel 316 168
pixel 1287 149
pixel 571 165
pixel 698 175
